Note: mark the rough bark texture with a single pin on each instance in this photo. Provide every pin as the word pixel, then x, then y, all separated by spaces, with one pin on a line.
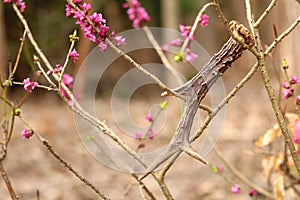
pixel 195 90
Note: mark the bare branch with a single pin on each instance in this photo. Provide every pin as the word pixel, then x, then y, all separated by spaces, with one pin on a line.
pixel 282 35
pixel 8 183
pixel 241 176
pixel 264 14
pixel 162 56
pixel 195 25
pixel 271 94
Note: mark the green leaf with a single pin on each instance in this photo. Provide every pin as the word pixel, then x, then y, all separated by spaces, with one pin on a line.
pixel 179 57
pixel 284 64
pixel 163 105
pixel 214 169
pixel 90 137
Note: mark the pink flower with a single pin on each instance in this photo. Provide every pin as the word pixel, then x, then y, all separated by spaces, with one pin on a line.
pixel 149 118
pixel 57 69
pixel 20 4
pixel 29 85
pixel 204 20
pixel 220 168
pixel 74 55
pixel 165 47
pixel 151 134
pixel 102 46
pixel 288 93
pixel 297 132
pixel 252 193
pixel 119 40
pixel 294 80
pixel 138 135
pixel 298 99
pixel 68 81
pixel 189 56
pixel 177 42
pixel 285 85
pixel 76 1
pixel 69 10
pixel 26 133
pixel 185 31
pixel 136 13
pixel 236 189
pixel 86 7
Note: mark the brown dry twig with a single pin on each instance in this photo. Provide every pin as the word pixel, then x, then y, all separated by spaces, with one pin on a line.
pixel 261 59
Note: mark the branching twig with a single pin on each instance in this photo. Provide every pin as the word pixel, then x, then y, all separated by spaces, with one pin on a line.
pixel 77 108
pixel 264 14
pixel 282 35
pixel 63 162
pixel 241 176
pixel 270 90
pixel 144 187
pixel 18 56
pixel 162 56
pixel 195 25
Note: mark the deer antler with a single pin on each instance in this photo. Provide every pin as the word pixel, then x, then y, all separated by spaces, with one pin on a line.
pixel 195 90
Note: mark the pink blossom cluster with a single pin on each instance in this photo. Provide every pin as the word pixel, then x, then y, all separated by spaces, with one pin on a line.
pixel 150 133
pixel 26 133
pixel 288 88
pixel 94 25
pixel 74 55
pixel 297 132
pixel 204 20
pixel 68 81
pixel 20 4
pixel 187 55
pixel 185 31
pixel 57 70
pixel 136 13
pixel 29 85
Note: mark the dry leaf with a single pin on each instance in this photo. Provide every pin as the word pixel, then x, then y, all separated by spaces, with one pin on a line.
pixel 269 136
pixel 271 164
pixel 278 186
pixel 292 118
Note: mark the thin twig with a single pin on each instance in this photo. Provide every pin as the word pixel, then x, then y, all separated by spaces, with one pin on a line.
pixel 281 36
pixel 63 162
pixel 162 56
pixel 8 183
pixel 271 94
pixel 144 187
pixel 18 56
pixel 31 38
pixel 264 14
pixel 36 60
pixel 77 108
pixel 195 25
pixel 230 31
pixel 241 176
pixel 67 59
pixel 38 86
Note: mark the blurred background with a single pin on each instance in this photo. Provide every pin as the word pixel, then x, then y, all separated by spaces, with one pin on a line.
pixel 249 113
